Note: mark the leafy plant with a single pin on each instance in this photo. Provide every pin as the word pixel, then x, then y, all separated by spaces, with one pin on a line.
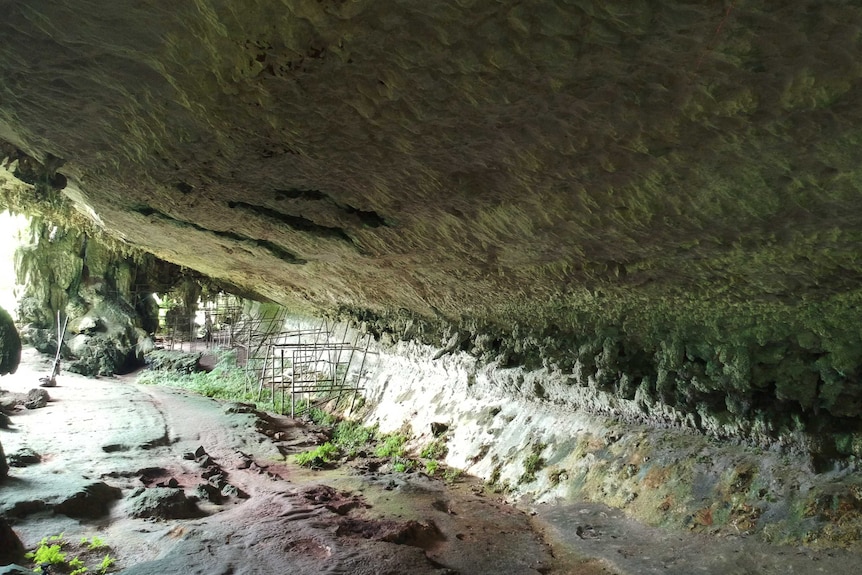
pixel 77 566
pixel 351 435
pixel 321 417
pixel 392 445
pixel 431 467
pixel 403 465
pixel 50 554
pixel 93 543
pixel 107 563
pixel 435 450
pixel 317 457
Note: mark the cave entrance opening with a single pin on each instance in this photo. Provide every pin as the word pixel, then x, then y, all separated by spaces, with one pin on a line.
pixel 12 229
pixel 295 366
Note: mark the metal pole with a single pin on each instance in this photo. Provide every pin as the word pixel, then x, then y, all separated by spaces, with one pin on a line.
pixel 361 367
pixel 293 386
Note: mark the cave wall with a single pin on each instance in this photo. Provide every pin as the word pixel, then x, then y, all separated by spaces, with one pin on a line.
pixel 535 437
pixel 107 296
pixel 766 373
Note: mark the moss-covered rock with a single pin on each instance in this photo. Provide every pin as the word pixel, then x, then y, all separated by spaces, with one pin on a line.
pixel 10 344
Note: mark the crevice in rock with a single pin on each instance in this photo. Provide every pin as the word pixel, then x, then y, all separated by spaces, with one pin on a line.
pixel 297 194
pixel 274 249
pixel 367 218
pixel 297 223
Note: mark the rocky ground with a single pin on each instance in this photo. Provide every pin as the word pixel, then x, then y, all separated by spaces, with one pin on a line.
pixel 175 483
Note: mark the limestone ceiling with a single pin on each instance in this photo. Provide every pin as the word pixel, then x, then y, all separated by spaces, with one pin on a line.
pixel 455 157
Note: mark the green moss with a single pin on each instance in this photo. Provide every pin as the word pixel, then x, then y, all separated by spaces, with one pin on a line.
pixel 533 463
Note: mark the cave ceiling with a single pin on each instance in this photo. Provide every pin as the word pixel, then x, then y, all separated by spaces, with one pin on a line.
pixel 456 158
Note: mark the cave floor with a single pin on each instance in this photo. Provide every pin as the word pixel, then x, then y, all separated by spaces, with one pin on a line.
pixel 346 520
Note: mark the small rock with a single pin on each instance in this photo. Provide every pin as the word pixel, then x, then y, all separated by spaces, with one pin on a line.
pixel 206 461
pixel 37 398
pixel 199 452
pixel 234 491
pixel 23 457
pixel 438 429
pixel 209 493
pixel 47 381
pixel 211 472
pixel 162 503
pixel 240 408
pixel 218 480
pixel 9 404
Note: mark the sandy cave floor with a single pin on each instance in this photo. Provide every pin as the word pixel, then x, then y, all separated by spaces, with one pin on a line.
pixel 348 520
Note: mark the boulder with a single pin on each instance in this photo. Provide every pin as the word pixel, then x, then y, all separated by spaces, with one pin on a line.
pixel 162 503
pixel 23 457
pixel 10 344
pixel 11 548
pixel 92 502
pixel 37 398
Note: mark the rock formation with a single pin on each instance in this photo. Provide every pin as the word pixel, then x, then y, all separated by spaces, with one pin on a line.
pixel 657 201
pixel 10 344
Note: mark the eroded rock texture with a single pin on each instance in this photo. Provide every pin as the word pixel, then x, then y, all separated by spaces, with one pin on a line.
pixel 105 294
pixel 659 198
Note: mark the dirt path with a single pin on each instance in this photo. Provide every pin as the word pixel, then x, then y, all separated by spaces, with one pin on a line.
pixel 279 518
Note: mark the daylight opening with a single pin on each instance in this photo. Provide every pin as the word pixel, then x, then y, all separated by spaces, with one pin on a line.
pixel 11 229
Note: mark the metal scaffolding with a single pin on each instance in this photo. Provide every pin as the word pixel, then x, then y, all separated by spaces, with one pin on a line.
pixel 312 366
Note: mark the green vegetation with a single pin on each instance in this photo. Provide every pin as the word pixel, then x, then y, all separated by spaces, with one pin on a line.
pixel 321 417
pixel 533 463
pixel 107 563
pixel 93 543
pixel 225 381
pixel 47 554
pixel 451 475
pixel 435 450
pixel 392 445
pixel 403 465
pixel 50 552
pixel 431 467
pixel 319 456
pixel 351 436
pixel 230 382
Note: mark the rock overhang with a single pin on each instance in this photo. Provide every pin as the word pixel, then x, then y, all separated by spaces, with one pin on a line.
pixel 668 191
